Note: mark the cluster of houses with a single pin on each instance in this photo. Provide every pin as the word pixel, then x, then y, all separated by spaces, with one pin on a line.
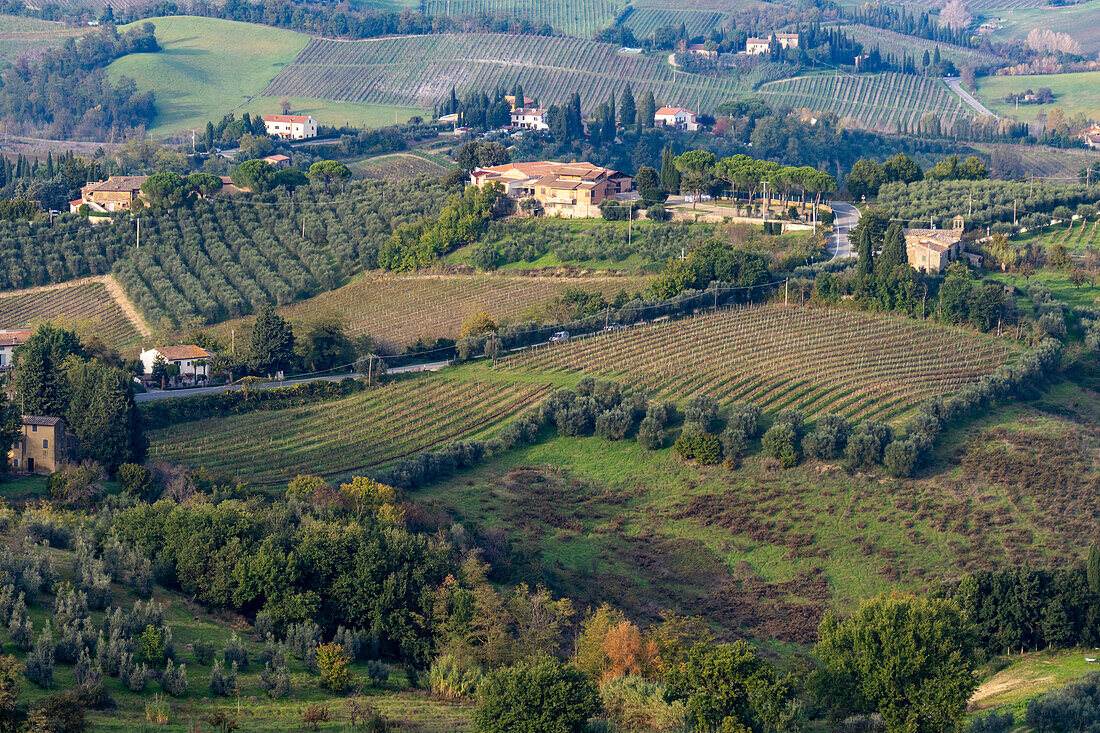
pixel 1091 136
pixel 529 117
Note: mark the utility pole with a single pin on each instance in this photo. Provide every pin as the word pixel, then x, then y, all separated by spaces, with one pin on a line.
pixel 1014 221
pixel 192 141
pixel 970 205
pixel 233 336
pixel 139 232
pixel 786 289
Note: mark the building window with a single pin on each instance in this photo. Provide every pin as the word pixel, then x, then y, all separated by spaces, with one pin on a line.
pixel 45 443
pixel 34 428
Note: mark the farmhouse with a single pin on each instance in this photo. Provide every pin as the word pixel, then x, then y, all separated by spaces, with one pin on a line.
pixel 43 447
pixel 117 193
pixel 571 190
pixel 530 118
pixel 185 357
pixel 932 250
pixel 1091 136
pixel 511 100
pixel 291 127
pixel 763 45
pixel 676 117
pixel 279 161
pixel 701 50
pixel 9 341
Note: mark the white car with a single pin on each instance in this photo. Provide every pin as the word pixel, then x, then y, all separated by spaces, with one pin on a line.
pixel 559 336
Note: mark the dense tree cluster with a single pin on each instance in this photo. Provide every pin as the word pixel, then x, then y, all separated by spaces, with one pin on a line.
pixel 64 93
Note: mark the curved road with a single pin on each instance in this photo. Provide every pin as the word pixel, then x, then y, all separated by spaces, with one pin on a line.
pixel 847 216
pixel 956 86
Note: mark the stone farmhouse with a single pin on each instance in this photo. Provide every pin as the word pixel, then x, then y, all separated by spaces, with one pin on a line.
pixel 529 118
pixel 570 190
pixel 932 250
pixel 117 193
pixel 676 117
pixel 291 127
pixel 1091 136
pixel 763 45
pixel 182 356
pixel 10 340
pixel 44 446
pixel 511 100
pixel 701 50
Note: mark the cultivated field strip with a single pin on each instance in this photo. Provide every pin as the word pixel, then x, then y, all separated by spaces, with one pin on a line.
pixel 353 434
pixel 817 360
pixel 898 44
pixel 697 22
pixel 399 310
pixel 876 101
pixel 582 18
pixel 89 308
pixel 420 70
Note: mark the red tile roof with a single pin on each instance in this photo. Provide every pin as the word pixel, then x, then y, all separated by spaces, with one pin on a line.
pixel 40 420
pixel 672 111
pixel 287 118
pixel 178 353
pixel 14 338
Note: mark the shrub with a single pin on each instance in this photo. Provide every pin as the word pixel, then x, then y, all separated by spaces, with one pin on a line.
pixel 695 443
pixel 542 694
pixel 61 712
pixel 993 723
pixel 901 458
pixel 658 212
pixel 275 681
pixel 781 442
pixel 635 703
pixel 156 710
pixel 650 434
pixel 313 716
pixel 174 679
pixel 702 409
pixel 867 444
pixel 663 413
pixel 454 678
pixel 332 662
pixel 614 424
pixel 744 418
pixel 204 652
pixel 301 638
pixel 40 660
pixel 792 417
pixel 235 653
pixel 734 445
pixel 137 481
pixel 349 640
pixel 1074 708
pixel 828 439
pixel 378 672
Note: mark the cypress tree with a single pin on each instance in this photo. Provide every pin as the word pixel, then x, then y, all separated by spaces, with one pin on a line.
pixel 1093 569
pixel 646 109
pixel 866 265
pixel 627 110
pixel 670 174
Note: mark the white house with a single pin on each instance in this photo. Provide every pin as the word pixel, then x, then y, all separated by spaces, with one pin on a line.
pixel 529 118
pixel 9 340
pixel 677 117
pixel 183 356
pixel 292 127
pixel 763 45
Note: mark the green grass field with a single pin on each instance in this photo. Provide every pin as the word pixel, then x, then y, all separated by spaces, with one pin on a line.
pixel 207 67
pixel 1020 678
pixel 1079 21
pixel 1073 93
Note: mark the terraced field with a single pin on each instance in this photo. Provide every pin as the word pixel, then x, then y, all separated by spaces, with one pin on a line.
pixel 897 44
pixel 395 167
pixel 88 308
pixel 20 35
pixel 399 310
pixel 336 438
pixel 697 22
pixel 581 18
pixel 816 360
pixel 876 101
pixel 421 70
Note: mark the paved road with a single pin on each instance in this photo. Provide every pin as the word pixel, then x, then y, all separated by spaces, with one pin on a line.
pixel 170 394
pixel 956 86
pixel 847 216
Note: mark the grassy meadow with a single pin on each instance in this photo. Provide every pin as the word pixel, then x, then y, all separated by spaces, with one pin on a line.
pixel 1078 20
pixel 1073 93
pixel 21 35
pixel 207 67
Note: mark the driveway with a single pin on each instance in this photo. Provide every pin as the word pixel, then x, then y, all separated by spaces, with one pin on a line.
pixel 847 216
pixel 170 394
pixel 956 86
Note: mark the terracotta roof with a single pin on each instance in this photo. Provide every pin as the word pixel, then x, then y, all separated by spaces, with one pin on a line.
pixel 14 338
pixel 931 244
pixel 528 111
pixel 1093 139
pixel 277 158
pixel 788 36
pixel 190 351
pixel 949 236
pixel 756 41
pixel 671 111
pixel 40 420
pixel 118 183
pixel 287 118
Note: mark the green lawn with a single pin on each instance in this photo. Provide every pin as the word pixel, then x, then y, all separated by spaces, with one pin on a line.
pixel 207 67
pixel 1028 675
pixel 20 34
pixel 1079 21
pixel 1073 93
pixel 329 112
